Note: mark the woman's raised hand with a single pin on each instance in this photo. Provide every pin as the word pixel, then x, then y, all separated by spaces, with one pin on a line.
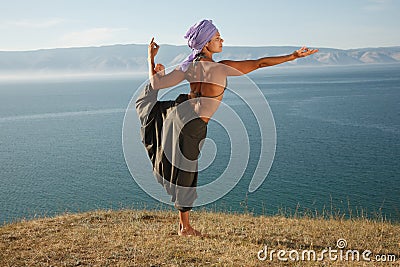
pixel 304 52
pixel 153 49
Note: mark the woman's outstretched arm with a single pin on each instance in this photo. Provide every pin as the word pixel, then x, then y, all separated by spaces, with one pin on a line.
pixel 246 66
pixel 161 81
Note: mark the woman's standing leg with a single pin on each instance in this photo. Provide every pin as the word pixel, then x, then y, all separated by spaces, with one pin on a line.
pixel 190 144
pixel 185 228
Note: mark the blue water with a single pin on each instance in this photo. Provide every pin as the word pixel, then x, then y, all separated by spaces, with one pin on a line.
pixel 338 146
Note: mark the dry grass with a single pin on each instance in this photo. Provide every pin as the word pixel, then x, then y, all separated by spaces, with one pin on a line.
pixel 148 238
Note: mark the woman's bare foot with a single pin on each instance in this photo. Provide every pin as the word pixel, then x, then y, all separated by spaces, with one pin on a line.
pixel 188 231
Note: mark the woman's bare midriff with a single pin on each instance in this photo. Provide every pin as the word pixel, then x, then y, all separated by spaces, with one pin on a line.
pixel 206 105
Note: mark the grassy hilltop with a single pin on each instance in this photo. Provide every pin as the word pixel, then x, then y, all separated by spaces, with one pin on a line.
pixel 149 238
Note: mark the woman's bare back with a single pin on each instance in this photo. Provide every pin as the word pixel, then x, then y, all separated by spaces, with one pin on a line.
pixel 207 85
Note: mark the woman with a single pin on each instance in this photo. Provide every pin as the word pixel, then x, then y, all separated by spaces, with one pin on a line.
pixel 173 131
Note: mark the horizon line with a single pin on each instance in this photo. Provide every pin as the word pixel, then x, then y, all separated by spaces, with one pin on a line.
pixel 177 45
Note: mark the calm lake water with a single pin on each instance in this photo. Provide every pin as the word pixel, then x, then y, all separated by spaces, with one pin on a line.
pixel 338 148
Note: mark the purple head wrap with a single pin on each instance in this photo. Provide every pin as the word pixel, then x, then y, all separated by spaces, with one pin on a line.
pixel 198 36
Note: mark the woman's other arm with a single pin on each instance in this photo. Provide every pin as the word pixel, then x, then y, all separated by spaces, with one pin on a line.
pixel 161 81
pixel 246 66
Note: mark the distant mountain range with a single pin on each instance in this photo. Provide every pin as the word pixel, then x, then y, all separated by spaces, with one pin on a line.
pixel 133 58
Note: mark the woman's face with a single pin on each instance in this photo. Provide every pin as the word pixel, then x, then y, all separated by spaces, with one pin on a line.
pixel 215 44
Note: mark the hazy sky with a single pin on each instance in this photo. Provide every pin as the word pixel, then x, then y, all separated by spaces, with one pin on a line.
pixel 36 24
